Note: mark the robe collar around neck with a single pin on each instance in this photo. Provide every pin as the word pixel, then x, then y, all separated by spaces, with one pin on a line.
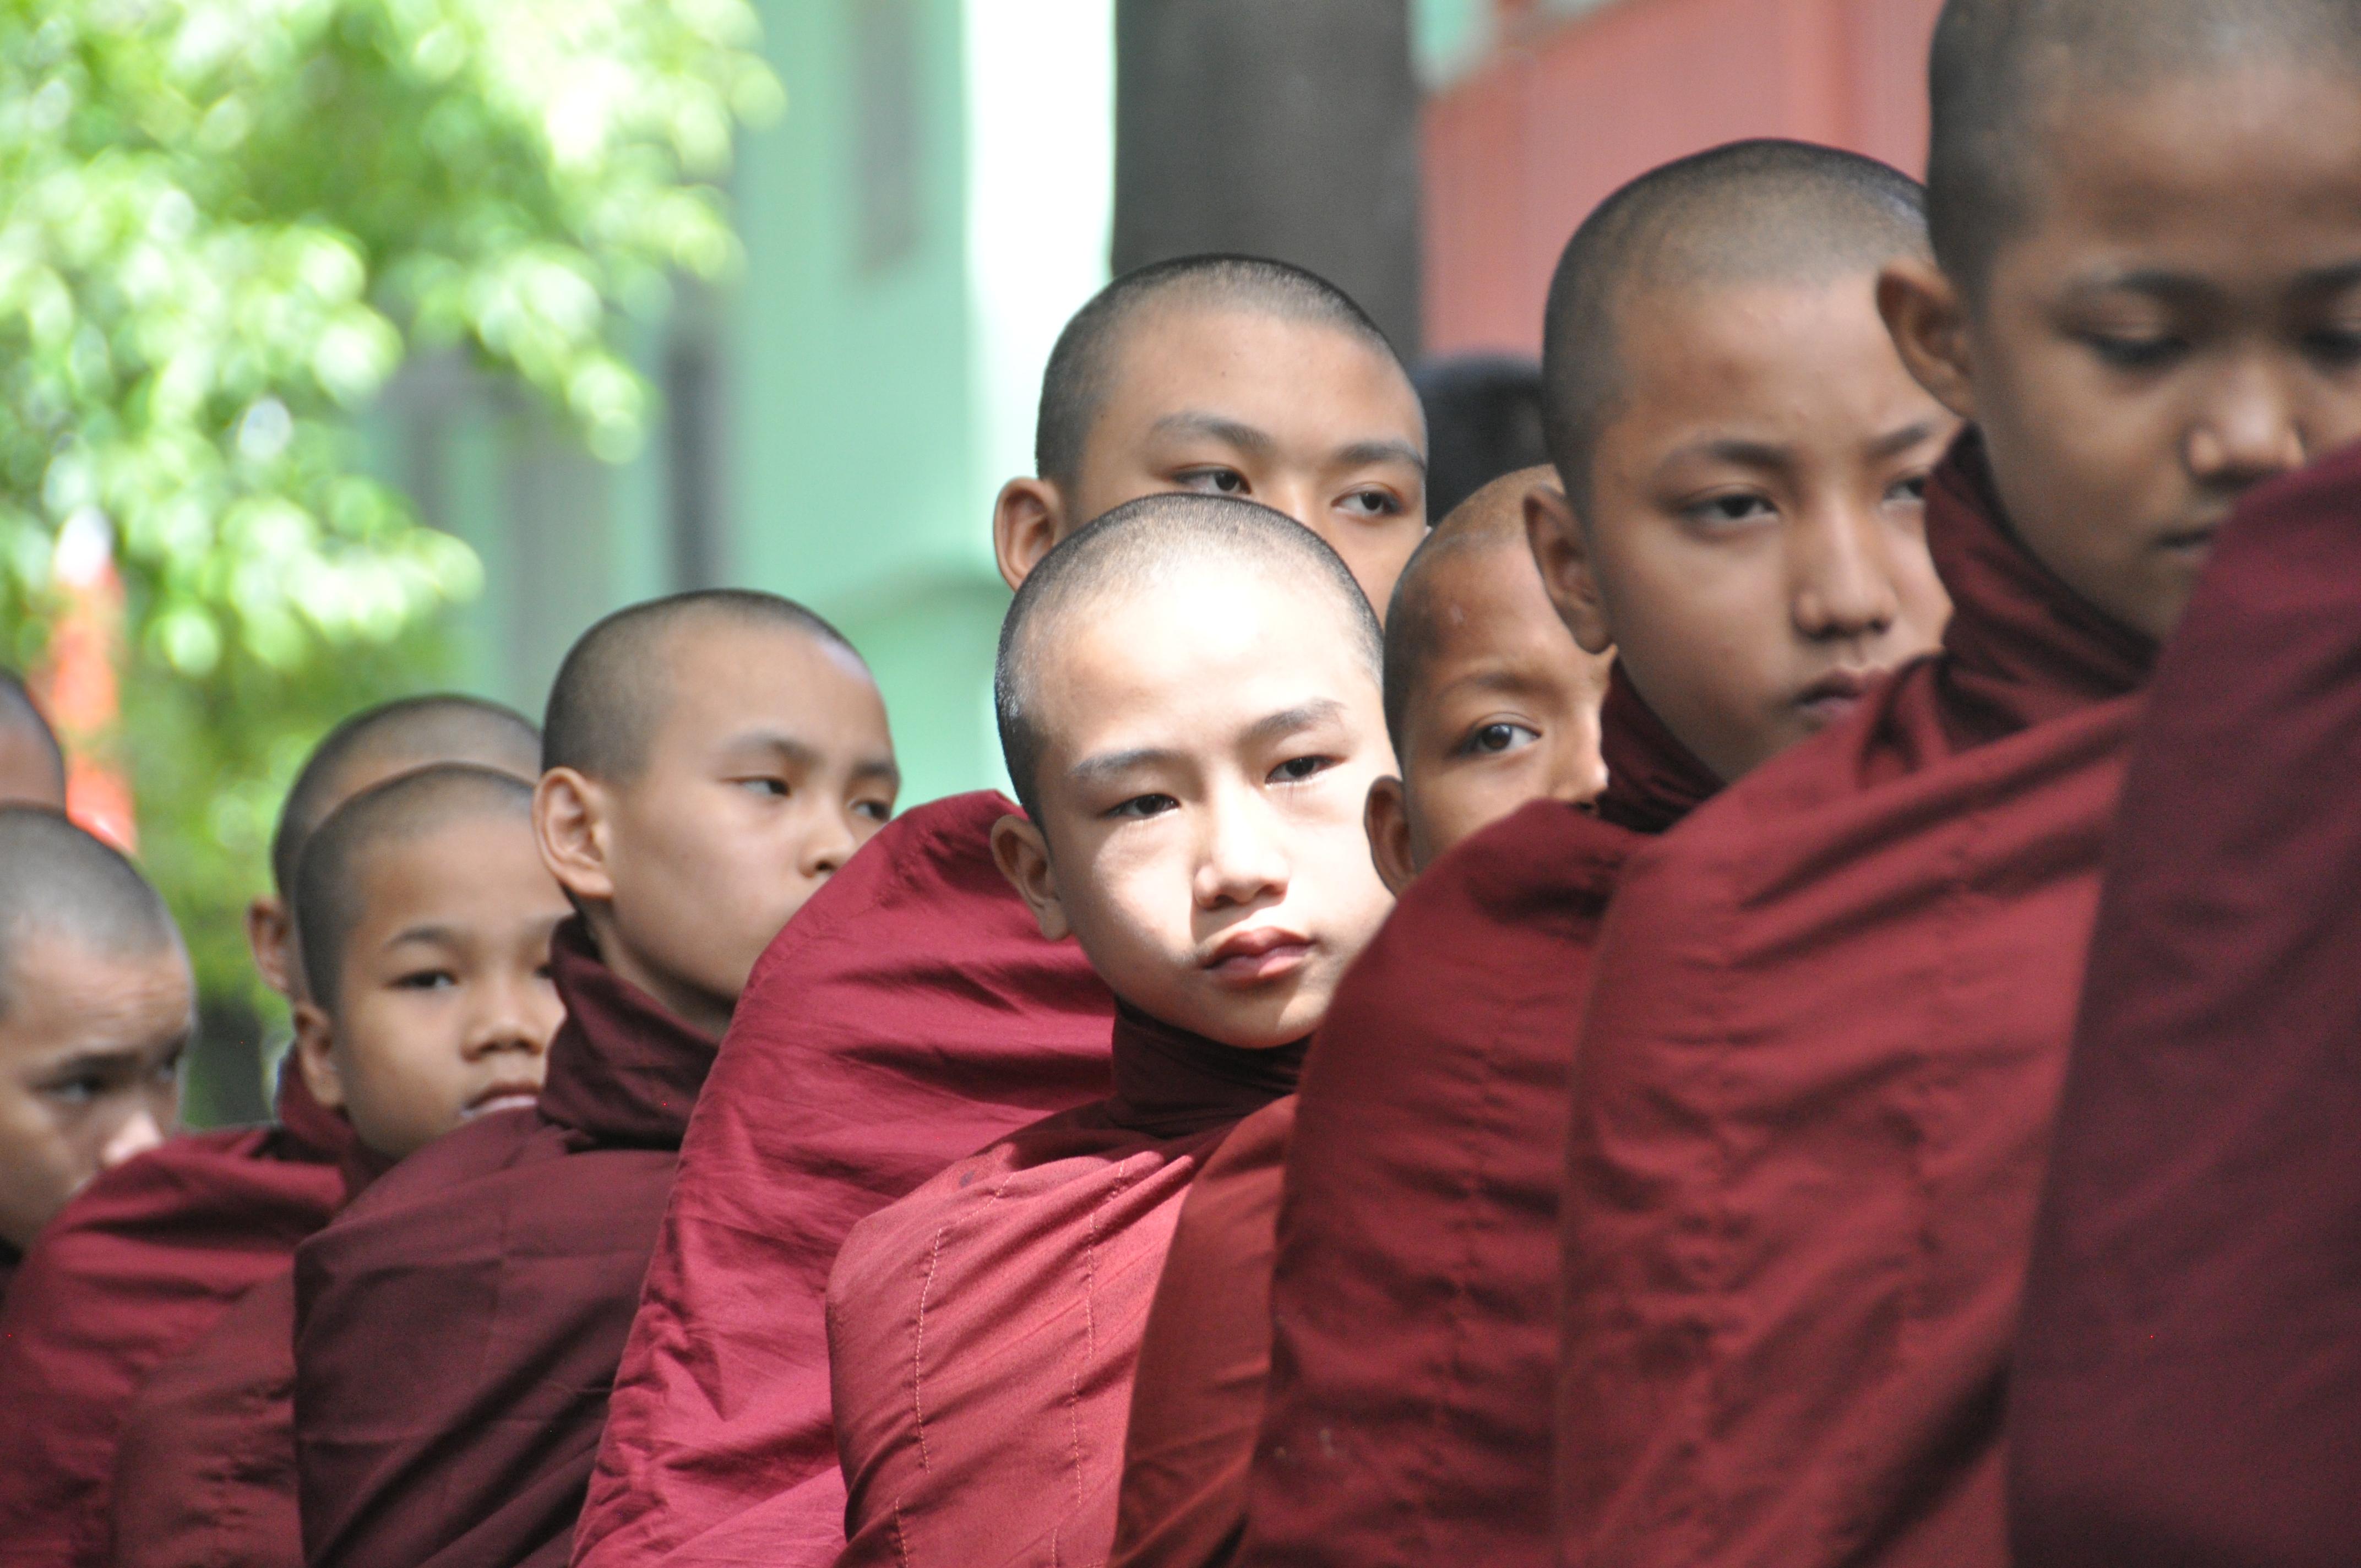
pixel 1652 781
pixel 1171 1083
pixel 622 1070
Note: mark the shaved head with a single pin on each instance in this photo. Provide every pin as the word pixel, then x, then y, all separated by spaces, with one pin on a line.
pixel 1752 213
pixel 32 765
pixel 395 737
pixel 612 690
pixel 1492 520
pixel 329 879
pixel 1132 550
pixel 1082 366
pixel 60 883
pixel 1999 69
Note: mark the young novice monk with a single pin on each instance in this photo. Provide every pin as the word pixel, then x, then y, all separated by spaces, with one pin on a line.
pixel 96 1008
pixel 1818 1080
pixel 32 766
pixel 914 1013
pixel 1748 454
pixel 147 1255
pixel 425 916
pixel 1489 704
pixel 1189 698
pixel 712 758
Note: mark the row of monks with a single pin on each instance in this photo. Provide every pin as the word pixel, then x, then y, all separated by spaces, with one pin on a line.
pixel 1779 991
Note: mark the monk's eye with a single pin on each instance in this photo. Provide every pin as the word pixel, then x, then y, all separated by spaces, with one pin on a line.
pixel 79 1090
pixel 1296 770
pixel 777 789
pixel 169 1070
pixel 875 810
pixel 1492 740
pixel 2133 353
pixel 1146 806
pixel 2336 346
pixel 1723 511
pixel 1374 502
pixel 425 980
pixel 1213 481
pixel 1912 491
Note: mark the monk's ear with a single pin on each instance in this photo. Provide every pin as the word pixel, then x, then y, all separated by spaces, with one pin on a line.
pixel 1562 551
pixel 315 1037
pixel 269 935
pixel 1386 818
pixel 1927 319
pixel 1027 523
pixel 1023 856
pixel 569 818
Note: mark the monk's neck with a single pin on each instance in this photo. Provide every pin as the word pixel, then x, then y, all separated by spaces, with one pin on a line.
pixel 698 1008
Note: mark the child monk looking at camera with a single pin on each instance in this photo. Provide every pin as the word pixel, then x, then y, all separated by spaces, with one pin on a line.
pixel 425 916
pixel 1820 1074
pixel 712 758
pixel 1189 698
pixel 913 1012
pixel 1736 509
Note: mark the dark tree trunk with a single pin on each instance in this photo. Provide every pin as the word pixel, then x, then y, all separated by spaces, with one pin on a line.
pixel 1286 129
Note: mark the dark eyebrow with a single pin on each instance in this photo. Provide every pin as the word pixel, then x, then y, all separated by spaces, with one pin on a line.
pixel 1272 726
pixel 1895 441
pixel 802 753
pixel 2330 280
pixel 878 768
pixel 1732 449
pixel 2153 282
pixel 428 932
pixel 1366 454
pixel 1286 721
pixel 1107 764
pixel 1229 432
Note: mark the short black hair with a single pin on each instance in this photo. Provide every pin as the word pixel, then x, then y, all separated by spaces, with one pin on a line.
pixel 328 891
pixel 411 731
pixel 1082 367
pixel 1491 518
pixel 1483 420
pixel 1998 66
pixel 1131 548
pixel 1752 212
pixel 18 712
pixel 56 879
pixel 611 691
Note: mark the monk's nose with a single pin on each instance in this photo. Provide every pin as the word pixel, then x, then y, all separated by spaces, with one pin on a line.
pixel 2248 431
pixel 1842 587
pixel 138 1132
pixel 1241 860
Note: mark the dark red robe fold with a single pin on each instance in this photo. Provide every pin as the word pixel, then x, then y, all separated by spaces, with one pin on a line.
pixel 1813 1099
pixel 909 1014
pixel 458 1325
pixel 204 1476
pixel 983 1331
pixel 1414 1301
pixel 140 1264
pixel 2187 1384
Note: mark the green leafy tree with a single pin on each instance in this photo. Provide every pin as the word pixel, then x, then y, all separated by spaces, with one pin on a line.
pixel 223 225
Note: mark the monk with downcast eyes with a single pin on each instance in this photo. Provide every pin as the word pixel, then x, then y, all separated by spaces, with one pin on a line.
pixel 914 1013
pixel 151 1254
pixel 711 760
pixel 1188 700
pixel 1819 1081
pixel 425 916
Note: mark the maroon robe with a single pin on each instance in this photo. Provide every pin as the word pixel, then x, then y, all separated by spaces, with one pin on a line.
pixel 142 1261
pixel 204 1476
pixel 983 1331
pixel 1813 1098
pixel 458 1326
pixel 2187 1384
pixel 1414 1306
pixel 908 1015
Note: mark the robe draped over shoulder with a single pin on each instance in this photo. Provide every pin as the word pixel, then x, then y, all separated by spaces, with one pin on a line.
pixel 1814 1094
pixel 2187 1384
pixel 458 1327
pixel 139 1265
pixel 909 1014
pixel 983 1331
pixel 1414 1306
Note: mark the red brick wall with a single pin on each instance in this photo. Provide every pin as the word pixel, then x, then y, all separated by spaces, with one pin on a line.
pixel 1517 153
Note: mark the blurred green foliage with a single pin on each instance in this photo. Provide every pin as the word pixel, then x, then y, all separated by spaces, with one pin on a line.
pixel 223 224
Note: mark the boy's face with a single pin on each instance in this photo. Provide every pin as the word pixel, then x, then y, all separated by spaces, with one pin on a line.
pixel 444 1008
pixel 771 766
pixel 2180 319
pixel 90 1067
pixel 1207 750
pixel 1754 544
pixel 1505 711
pixel 1303 417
